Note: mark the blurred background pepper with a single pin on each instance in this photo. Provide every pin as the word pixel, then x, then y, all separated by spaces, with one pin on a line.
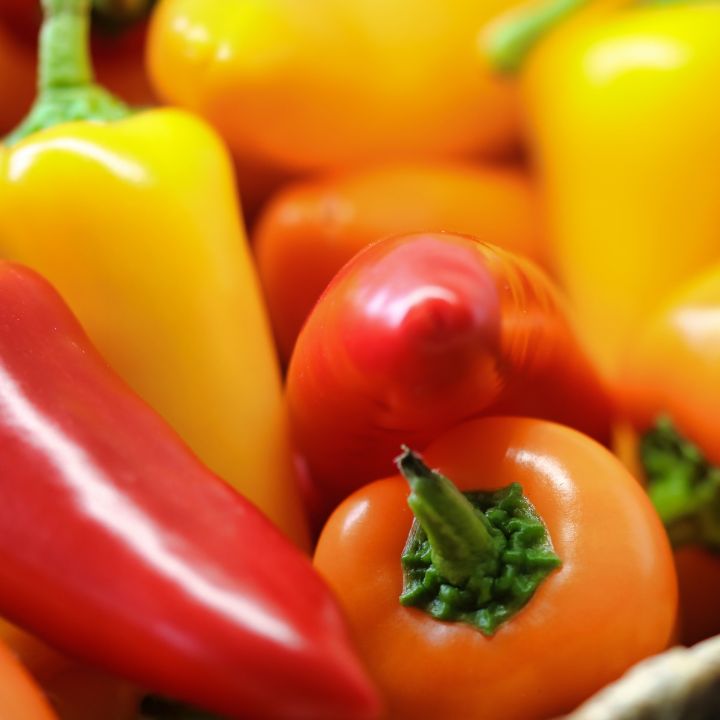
pixel 669 391
pixel 311 229
pixel 296 87
pixel 623 129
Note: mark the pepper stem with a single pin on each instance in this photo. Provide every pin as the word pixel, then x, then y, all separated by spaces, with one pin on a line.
pixel 509 40
pixel 66 91
pixel 459 536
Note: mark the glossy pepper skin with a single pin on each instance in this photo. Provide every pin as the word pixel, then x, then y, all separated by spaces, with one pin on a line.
pixel 624 137
pixel 419 332
pixel 336 84
pixel 318 225
pixel 610 604
pixel 672 370
pixel 135 220
pixel 20 698
pixel 75 691
pixel 120 548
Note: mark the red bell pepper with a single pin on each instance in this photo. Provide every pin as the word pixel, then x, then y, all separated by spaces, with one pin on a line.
pixel 419 332
pixel 118 547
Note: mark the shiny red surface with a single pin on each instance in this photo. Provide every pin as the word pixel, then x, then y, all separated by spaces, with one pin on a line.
pixel 119 547
pixel 418 333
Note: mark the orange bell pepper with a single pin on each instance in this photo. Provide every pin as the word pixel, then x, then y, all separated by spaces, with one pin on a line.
pixel 20 698
pixel 318 225
pixel 76 691
pixel 672 372
pixel 611 602
pixel 300 87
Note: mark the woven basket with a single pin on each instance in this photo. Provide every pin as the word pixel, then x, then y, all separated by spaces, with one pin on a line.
pixel 680 684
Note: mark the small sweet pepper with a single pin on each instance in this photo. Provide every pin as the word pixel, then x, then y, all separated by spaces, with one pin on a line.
pixel 134 218
pixel 549 579
pixel 419 332
pixel 319 224
pixel 298 87
pixel 624 134
pixel 121 549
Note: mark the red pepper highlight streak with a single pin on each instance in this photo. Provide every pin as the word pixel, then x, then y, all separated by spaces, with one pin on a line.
pixel 120 548
pixel 419 332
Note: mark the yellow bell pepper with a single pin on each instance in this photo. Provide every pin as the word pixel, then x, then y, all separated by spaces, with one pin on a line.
pixel 623 119
pixel 134 219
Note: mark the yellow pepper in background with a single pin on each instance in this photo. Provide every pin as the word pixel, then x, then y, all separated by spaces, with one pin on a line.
pixel 296 86
pixel 134 219
pixel 623 116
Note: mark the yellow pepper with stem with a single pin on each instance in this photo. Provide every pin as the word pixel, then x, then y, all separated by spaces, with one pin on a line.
pixel 134 219
pixel 623 121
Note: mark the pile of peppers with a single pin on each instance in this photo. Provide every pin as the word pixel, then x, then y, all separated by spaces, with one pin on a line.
pixel 358 361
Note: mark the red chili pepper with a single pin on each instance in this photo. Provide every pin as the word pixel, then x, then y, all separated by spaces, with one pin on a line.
pixel 419 332
pixel 120 548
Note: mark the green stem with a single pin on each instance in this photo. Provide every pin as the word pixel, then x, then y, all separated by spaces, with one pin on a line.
pixel 473 557
pixel 459 536
pixel 66 91
pixel 509 41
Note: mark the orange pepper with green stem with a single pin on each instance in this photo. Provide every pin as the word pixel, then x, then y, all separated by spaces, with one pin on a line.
pixel 623 129
pixel 300 87
pixel 669 392
pixel 134 218
pixel 427 627
pixel 319 224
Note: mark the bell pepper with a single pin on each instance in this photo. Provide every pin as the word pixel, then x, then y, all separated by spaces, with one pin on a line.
pixel 20 698
pixel 669 391
pixel 609 603
pixel 338 83
pixel 75 691
pixel 320 224
pixel 134 218
pixel 417 333
pixel 121 549
pixel 623 131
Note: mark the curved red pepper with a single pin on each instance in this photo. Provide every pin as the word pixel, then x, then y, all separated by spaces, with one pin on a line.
pixel 419 332
pixel 119 547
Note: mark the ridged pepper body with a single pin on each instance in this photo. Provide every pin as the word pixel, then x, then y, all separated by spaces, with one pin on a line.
pixel 136 223
pixel 419 332
pixel 120 548
pixel 624 127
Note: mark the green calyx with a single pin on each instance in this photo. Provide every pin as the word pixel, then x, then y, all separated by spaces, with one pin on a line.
pixel 476 557
pixel 509 41
pixel 683 486
pixel 66 91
